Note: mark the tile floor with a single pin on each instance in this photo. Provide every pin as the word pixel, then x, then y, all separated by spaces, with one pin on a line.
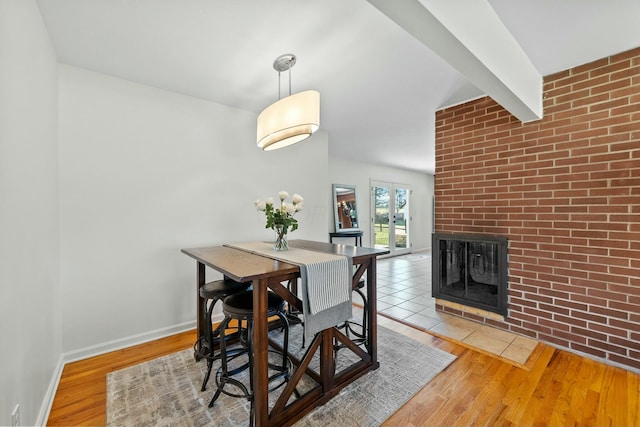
pixel 404 293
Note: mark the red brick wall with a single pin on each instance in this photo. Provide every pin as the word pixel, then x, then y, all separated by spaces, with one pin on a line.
pixel 565 190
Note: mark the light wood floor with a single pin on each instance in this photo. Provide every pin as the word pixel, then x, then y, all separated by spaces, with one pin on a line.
pixel 555 388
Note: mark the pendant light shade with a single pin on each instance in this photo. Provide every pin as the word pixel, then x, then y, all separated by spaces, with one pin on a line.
pixel 289 120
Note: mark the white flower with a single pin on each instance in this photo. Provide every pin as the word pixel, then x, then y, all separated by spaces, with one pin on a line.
pixel 282 215
pixel 291 209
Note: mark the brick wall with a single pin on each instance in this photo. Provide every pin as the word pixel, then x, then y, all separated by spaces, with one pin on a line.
pixel 565 190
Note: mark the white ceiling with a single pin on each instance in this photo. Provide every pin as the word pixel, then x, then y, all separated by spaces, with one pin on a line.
pixel 379 86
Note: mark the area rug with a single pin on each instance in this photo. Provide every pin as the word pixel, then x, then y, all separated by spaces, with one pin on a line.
pixel 166 391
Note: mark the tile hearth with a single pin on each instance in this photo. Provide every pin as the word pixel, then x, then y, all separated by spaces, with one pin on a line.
pixel 404 293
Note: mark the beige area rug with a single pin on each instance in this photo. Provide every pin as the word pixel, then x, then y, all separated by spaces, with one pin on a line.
pixel 166 391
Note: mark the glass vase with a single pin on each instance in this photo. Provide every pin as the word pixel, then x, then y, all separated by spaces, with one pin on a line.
pixel 281 243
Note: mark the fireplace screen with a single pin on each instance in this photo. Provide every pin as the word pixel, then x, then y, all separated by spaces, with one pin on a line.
pixel 471 270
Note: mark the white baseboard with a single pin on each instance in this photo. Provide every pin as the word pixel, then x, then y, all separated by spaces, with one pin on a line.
pixel 125 342
pixel 47 401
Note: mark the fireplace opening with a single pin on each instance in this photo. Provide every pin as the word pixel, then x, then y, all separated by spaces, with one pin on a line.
pixel 471 270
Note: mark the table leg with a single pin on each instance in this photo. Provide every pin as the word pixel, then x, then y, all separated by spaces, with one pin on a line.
pixel 260 349
pixel 200 312
pixel 327 360
pixel 372 320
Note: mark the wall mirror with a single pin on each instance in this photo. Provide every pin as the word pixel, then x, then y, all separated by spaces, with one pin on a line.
pixel 345 208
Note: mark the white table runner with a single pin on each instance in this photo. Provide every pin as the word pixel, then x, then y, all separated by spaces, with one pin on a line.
pixel 325 283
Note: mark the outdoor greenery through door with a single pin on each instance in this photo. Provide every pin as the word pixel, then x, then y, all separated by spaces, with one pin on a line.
pixel 391 222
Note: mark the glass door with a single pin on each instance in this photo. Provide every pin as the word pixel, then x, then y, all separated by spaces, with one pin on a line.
pixel 391 219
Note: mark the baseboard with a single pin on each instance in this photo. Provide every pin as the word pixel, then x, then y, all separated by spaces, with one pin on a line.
pixel 421 251
pixel 47 401
pixel 129 341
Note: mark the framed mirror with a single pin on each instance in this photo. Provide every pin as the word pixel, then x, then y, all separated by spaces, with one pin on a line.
pixel 345 208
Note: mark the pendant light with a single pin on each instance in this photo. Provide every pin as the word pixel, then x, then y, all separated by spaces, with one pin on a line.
pixel 290 119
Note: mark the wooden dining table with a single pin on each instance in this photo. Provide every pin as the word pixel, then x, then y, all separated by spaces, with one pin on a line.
pixel 268 273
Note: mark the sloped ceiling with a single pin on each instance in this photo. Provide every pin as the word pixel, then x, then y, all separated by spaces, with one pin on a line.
pixel 379 85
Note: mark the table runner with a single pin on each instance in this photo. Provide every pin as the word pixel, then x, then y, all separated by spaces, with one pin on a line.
pixel 325 283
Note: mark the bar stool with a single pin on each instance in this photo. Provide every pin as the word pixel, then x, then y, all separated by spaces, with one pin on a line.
pixel 211 293
pixel 239 307
pixel 359 330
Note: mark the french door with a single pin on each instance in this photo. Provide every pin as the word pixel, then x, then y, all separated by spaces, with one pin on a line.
pixel 391 219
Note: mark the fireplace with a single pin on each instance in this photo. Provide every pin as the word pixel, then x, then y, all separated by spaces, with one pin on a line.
pixel 471 270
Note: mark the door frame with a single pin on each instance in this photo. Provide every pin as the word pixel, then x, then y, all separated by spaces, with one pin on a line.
pixel 393 251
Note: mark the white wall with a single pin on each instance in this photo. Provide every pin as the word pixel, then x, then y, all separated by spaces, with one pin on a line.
pixel 144 173
pixel 29 255
pixel 360 174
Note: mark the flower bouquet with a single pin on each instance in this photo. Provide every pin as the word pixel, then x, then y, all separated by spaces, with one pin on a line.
pixel 282 218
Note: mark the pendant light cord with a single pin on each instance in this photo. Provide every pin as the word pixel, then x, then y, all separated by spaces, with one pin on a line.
pixel 279 88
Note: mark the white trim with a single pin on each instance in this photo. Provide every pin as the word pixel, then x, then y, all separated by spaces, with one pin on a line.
pixel 129 341
pixel 47 401
pixel 392 186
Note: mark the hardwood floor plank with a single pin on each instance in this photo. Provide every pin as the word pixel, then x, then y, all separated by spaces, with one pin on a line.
pixel 602 417
pixel 518 397
pixel 613 408
pixel 546 394
pixel 592 401
pixel 476 388
pixel 633 389
pixel 489 398
pixel 561 410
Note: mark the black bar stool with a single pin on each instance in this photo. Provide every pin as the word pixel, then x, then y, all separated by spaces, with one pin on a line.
pixel 211 293
pixel 239 307
pixel 358 330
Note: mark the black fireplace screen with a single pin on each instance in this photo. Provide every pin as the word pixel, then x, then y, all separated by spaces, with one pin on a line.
pixel 471 270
